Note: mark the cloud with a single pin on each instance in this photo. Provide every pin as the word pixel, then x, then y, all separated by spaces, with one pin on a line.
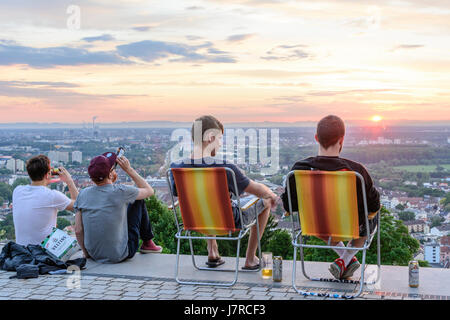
pixel 150 51
pixel 104 37
pixel 408 47
pixel 355 91
pixel 142 28
pixel 272 73
pixel 55 94
pixel 12 54
pixel 240 37
pixel 147 50
pixel 46 84
pixel 290 98
pixel 287 53
pixel 195 8
pixel 193 38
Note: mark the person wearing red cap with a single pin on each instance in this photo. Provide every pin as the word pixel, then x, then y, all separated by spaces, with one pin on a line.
pixel 110 219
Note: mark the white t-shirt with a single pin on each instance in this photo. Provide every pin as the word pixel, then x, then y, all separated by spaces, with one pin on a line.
pixel 35 209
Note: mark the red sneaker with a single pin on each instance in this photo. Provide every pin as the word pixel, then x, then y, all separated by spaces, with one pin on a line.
pixel 337 268
pixel 351 268
pixel 150 247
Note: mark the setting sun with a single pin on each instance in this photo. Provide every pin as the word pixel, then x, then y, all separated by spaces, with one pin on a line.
pixel 376 118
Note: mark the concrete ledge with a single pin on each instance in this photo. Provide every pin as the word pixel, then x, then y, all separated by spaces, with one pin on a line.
pixel 152 276
pixel 393 281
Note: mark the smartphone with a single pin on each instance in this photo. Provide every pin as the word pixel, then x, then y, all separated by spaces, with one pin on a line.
pixel 55 172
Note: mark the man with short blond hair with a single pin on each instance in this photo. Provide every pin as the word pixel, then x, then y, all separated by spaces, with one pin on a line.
pixel 206 146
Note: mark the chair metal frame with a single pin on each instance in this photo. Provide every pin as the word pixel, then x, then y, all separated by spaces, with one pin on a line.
pixel 187 236
pixel 297 242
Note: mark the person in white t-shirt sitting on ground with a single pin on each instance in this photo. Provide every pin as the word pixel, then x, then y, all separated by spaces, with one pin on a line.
pixel 35 206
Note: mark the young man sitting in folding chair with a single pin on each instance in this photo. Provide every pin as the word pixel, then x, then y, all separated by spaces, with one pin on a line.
pixel 207 133
pixel 330 136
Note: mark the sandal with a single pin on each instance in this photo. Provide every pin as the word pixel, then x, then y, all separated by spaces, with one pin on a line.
pixel 256 266
pixel 214 263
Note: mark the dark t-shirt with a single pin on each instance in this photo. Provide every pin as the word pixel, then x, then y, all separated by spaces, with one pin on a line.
pixel 241 180
pixel 335 164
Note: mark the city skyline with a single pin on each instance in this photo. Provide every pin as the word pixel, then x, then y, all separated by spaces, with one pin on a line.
pixel 242 61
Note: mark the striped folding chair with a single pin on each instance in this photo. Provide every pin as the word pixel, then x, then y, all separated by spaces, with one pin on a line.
pixel 205 206
pixel 328 208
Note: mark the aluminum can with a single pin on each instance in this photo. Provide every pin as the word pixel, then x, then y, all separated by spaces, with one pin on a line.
pixel 277 269
pixel 413 274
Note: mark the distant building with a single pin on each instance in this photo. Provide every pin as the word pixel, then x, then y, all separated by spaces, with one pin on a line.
pixel 444 229
pixel 417 226
pixel 432 252
pixel 11 165
pixel 77 156
pixel 59 156
pixel 20 165
pixel 445 249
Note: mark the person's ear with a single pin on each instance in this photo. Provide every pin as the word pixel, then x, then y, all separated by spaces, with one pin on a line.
pixel 315 137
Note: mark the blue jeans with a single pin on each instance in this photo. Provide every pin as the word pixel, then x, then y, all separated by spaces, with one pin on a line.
pixel 139 226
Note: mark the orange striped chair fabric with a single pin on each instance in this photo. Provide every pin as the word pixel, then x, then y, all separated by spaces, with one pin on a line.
pixel 204 200
pixel 328 203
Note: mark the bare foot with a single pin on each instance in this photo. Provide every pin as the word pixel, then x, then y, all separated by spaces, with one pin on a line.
pixel 253 262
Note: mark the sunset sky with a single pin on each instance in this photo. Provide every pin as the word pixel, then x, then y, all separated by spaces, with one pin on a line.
pixel 240 60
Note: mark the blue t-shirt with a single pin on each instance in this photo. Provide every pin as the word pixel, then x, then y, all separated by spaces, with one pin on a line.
pixel 241 180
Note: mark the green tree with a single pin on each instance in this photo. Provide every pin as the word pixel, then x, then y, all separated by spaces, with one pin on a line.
pixel 424 263
pixel 5 171
pixel 7 227
pixel 280 244
pixel 5 191
pixel 64 213
pixel 436 221
pixel 400 207
pixel 164 229
pixel 20 182
pixel 406 216
pixel 61 223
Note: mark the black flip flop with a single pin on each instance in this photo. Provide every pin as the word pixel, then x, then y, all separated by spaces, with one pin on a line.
pixel 251 268
pixel 215 263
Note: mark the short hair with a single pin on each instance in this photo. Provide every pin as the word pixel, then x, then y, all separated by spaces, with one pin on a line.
pixel 208 123
pixel 38 167
pixel 329 130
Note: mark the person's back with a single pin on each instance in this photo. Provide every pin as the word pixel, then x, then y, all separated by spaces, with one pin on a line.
pixel 336 163
pixel 35 210
pixel 105 220
pixel 107 230
pixel 35 206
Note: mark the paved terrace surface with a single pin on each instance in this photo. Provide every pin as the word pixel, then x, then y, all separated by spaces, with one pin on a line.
pixel 151 276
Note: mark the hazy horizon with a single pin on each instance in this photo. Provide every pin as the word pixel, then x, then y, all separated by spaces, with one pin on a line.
pixel 174 124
